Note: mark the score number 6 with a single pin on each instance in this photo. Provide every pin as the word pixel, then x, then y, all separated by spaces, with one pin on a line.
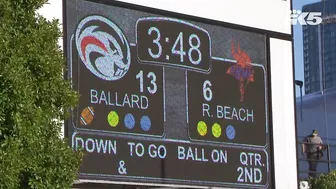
pixel 207 93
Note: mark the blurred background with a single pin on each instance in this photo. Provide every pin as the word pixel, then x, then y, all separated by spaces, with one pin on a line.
pixel 315 75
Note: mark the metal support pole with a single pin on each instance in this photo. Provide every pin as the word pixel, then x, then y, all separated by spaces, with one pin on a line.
pixel 301 103
pixel 300 84
pixel 329 158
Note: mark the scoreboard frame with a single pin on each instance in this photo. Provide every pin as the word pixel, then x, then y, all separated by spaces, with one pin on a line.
pixel 267 33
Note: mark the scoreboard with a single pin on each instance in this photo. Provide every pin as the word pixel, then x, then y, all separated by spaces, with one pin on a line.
pixel 166 100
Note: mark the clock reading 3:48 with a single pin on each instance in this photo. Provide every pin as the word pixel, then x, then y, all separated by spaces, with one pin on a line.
pixel 173 42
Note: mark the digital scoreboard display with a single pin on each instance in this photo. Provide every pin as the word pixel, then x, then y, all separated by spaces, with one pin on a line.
pixel 166 100
pixel 225 108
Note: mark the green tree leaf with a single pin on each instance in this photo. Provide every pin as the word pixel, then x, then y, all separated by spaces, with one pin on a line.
pixel 324 181
pixel 33 94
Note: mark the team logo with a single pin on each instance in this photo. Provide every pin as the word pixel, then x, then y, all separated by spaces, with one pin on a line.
pixel 103 48
pixel 242 70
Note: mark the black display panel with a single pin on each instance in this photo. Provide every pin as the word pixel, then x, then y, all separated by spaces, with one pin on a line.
pixel 165 100
pixel 149 160
pixel 132 104
pixel 173 42
pixel 228 104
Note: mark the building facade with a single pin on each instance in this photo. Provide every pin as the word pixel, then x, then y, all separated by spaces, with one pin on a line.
pixel 317 111
pixel 319 44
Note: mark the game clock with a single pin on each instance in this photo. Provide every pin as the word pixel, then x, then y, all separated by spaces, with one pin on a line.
pixel 173 43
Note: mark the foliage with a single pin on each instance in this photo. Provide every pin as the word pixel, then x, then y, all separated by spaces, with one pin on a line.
pixel 33 95
pixel 324 181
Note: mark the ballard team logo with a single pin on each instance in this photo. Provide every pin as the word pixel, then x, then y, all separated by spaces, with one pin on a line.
pixel 103 48
pixel 242 70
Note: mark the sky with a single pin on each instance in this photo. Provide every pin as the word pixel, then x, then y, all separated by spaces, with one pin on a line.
pixel 54 10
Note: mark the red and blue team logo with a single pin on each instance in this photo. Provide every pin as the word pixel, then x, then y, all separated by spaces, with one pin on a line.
pixel 103 48
pixel 242 70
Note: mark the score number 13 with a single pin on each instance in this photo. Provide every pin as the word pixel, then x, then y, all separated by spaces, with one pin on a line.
pixel 174 50
pixel 151 75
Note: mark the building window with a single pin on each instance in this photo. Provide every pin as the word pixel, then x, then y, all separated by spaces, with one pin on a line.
pixel 332 34
pixel 306 68
pixel 306 60
pixel 329 69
